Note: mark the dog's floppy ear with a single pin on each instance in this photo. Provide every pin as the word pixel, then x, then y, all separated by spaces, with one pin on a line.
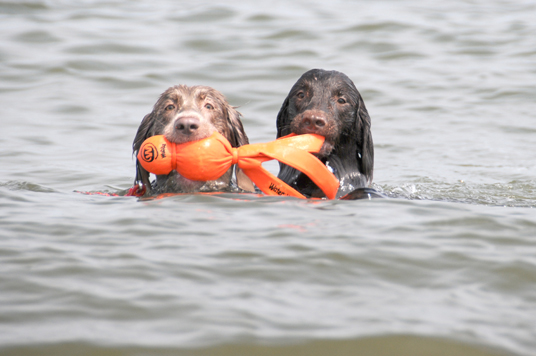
pixel 238 138
pixel 365 146
pixel 282 122
pixel 144 132
pixel 238 135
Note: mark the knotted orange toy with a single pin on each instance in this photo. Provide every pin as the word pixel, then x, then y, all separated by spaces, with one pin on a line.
pixel 210 158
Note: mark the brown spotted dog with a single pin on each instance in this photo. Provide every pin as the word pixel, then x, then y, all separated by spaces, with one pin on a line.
pixel 190 113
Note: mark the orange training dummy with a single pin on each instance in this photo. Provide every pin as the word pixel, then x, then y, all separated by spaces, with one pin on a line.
pixel 210 158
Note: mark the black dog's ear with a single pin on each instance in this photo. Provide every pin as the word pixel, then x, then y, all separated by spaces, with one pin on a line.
pixel 282 123
pixel 365 146
pixel 144 132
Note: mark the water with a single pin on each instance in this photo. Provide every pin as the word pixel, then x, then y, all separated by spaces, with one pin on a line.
pixel 445 266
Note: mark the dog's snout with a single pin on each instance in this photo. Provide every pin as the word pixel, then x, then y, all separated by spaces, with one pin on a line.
pixel 187 125
pixel 314 121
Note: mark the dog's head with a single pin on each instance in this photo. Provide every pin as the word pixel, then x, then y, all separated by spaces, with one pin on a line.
pixel 328 103
pixel 183 114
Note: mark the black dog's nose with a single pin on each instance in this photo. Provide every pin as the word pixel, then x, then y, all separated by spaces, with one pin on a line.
pixel 313 122
pixel 187 125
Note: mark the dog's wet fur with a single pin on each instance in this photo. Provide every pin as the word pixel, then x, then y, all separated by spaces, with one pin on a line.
pixel 190 113
pixel 327 103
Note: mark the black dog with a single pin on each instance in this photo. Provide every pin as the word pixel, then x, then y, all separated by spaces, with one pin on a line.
pixel 183 114
pixel 327 103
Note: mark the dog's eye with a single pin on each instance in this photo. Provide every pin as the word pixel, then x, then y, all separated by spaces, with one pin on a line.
pixel 209 106
pixel 170 107
pixel 341 101
pixel 300 95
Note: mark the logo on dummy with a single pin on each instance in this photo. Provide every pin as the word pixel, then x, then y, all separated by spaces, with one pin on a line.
pixel 149 152
pixel 275 189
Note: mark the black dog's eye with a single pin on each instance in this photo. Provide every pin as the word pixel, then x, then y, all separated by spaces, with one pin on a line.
pixel 300 95
pixel 341 101
pixel 209 106
pixel 170 107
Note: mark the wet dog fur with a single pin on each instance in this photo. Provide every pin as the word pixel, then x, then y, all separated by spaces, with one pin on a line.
pixel 328 103
pixel 189 113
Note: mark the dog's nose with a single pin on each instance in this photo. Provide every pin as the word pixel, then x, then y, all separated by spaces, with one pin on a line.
pixel 313 122
pixel 187 125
